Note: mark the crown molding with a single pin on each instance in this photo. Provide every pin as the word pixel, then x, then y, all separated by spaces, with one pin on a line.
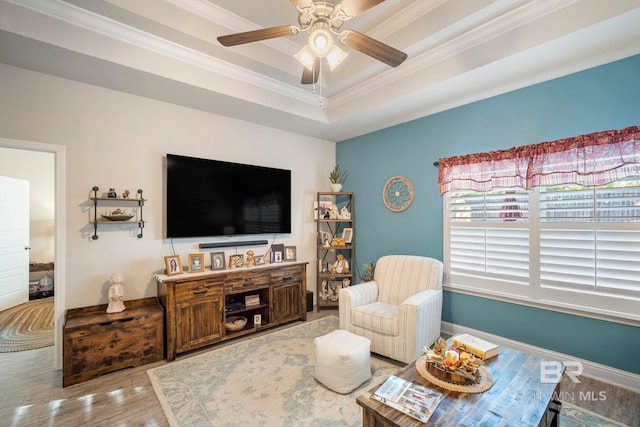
pixel 233 22
pixel 99 24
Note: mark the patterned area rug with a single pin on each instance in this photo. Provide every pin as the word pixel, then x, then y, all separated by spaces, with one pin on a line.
pixel 27 326
pixel 265 381
pixel 268 381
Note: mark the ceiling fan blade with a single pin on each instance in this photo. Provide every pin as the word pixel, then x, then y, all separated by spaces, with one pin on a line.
pixel 356 7
pixel 372 47
pixel 302 3
pixel 311 76
pixel 257 35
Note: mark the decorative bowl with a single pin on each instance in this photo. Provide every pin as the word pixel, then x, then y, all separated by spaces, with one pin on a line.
pixel 439 371
pixel 117 217
pixel 235 323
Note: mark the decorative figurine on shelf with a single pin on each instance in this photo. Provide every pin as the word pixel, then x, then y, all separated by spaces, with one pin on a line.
pixel 344 213
pixel 125 195
pixel 112 193
pixel 333 213
pixel 250 259
pixel 341 265
pixel 116 294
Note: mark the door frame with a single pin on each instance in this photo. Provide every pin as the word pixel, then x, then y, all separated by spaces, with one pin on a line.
pixel 59 152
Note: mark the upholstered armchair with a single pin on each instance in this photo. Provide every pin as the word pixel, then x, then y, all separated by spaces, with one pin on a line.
pixel 400 309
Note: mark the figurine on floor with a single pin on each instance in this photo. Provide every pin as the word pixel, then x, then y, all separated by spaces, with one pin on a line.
pixel 116 294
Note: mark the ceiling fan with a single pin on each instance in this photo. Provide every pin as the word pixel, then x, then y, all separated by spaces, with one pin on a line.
pixel 322 20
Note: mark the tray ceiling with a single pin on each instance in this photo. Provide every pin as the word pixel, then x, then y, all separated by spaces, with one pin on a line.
pixel 460 51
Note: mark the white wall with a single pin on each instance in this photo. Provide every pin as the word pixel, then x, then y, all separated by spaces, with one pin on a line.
pixel 37 168
pixel 118 140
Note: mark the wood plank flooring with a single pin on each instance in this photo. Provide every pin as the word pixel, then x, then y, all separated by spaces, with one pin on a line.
pixel 31 394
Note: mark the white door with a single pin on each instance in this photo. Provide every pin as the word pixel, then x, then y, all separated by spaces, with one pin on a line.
pixel 14 242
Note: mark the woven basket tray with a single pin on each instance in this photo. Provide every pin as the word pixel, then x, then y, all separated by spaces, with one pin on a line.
pixel 484 383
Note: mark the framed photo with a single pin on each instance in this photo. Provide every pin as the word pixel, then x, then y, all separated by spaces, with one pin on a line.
pixel 196 263
pixel 259 259
pixel 347 235
pixel 289 253
pixel 257 319
pixel 217 261
pixel 324 239
pixel 236 261
pixel 172 265
pixel 277 253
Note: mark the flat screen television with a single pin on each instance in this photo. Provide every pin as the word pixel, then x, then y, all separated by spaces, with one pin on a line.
pixel 215 198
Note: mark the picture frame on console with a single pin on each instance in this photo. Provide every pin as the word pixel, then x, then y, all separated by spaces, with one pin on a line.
pixel 217 261
pixel 258 259
pixel 172 265
pixel 196 263
pixel 290 253
pixel 277 253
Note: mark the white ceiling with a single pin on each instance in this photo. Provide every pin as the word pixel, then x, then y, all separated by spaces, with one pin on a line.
pixel 459 51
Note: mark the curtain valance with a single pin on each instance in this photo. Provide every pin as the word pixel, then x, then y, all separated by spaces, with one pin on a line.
pixel 593 159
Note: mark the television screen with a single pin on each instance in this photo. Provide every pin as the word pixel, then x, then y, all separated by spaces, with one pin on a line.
pixel 215 198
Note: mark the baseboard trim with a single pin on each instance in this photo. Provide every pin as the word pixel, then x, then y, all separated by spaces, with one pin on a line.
pixel 617 377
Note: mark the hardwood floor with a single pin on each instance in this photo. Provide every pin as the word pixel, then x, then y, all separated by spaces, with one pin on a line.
pixel 31 394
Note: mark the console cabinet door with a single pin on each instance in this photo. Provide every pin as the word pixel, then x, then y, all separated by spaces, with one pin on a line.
pixel 287 302
pixel 199 323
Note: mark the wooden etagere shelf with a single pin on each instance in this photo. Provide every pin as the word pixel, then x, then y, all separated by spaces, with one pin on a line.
pixel 117 201
pixel 335 220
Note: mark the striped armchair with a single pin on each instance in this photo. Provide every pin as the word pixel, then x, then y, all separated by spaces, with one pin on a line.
pixel 400 309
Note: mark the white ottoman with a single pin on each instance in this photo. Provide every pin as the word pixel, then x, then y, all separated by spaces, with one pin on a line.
pixel 342 360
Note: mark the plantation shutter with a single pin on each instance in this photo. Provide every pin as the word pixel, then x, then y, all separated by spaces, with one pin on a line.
pixel 586 241
pixel 489 234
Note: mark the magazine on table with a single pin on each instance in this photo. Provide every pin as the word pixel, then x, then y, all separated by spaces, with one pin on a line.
pixel 412 399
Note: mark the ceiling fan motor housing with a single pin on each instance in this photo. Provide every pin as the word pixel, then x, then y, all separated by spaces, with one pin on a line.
pixel 320 14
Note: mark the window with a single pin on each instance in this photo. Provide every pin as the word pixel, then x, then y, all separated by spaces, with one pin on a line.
pixel 568 245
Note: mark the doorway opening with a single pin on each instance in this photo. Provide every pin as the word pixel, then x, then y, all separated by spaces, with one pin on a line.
pixel 58 152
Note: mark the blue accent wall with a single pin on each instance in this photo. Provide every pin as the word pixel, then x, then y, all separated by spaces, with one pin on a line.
pixel 601 98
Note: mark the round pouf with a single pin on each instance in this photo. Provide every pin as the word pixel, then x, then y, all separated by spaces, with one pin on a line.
pixel 342 360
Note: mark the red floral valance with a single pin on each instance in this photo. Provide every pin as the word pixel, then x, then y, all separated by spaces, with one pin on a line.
pixel 594 159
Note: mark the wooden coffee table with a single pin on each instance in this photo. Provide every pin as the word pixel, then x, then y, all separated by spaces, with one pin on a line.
pixel 517 397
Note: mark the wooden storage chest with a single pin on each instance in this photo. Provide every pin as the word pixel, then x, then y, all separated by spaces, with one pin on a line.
pixel 95 342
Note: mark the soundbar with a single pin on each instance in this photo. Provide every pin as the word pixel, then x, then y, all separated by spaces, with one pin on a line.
pixel 229 244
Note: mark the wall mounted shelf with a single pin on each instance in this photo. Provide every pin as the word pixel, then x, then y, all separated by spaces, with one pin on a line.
pixel 117 201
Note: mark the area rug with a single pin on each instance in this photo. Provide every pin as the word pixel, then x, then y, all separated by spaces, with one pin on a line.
pixel 268 381
pixel 27 326
pixel 265 381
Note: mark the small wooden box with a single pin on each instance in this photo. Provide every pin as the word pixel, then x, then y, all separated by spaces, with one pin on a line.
pixel 95 342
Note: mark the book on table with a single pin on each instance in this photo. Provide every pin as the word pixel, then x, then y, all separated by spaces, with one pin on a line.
pixel 476 346
pixel 409 398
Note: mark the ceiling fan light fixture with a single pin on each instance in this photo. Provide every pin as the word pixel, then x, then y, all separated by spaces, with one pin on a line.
pixel 305 57
pixel 320 42
pixel 335 57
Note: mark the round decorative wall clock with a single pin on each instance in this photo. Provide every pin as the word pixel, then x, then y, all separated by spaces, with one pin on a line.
pixel 397 193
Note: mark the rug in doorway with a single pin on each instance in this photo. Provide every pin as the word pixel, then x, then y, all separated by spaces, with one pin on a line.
pixel 27 326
